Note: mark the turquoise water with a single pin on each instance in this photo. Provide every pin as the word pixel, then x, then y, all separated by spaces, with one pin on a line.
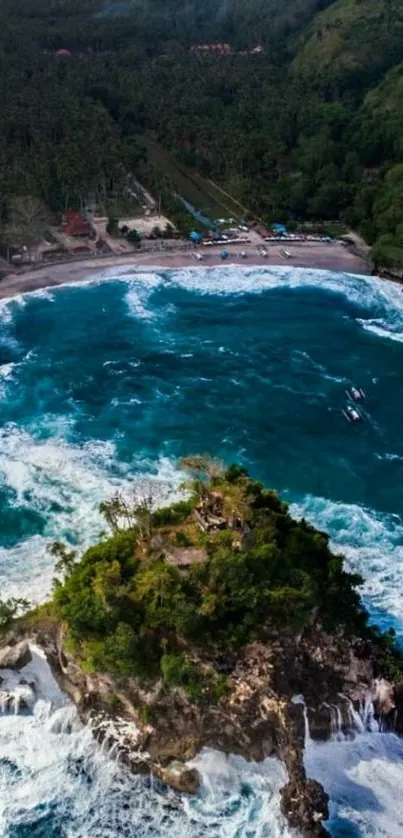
pixel 105 385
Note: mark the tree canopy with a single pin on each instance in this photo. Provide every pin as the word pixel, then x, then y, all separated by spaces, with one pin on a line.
pixel 306 127
pixel 137 597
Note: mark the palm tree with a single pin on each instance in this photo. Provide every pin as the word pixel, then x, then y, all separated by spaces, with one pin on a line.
pixel 203 471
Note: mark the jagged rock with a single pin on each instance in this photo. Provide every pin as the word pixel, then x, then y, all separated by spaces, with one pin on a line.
pixel 15 657
pixel 179 777
pixel 259 715
pixel 305 804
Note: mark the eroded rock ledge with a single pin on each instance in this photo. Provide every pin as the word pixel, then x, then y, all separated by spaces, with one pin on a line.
pixel 159 730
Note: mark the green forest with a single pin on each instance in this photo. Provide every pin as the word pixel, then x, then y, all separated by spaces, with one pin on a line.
pixel 162 593
pixel 309 127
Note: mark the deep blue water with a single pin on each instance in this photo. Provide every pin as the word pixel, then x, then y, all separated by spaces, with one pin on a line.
pixel 105 385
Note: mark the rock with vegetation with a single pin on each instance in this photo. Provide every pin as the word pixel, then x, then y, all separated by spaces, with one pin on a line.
pixel 196 625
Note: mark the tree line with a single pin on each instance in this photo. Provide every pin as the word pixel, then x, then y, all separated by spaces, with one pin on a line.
pixel 310 128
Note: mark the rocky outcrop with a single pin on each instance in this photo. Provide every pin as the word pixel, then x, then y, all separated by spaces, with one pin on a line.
pixel 15 657
pixel 150 728
pixel 179 777
pixel 303 801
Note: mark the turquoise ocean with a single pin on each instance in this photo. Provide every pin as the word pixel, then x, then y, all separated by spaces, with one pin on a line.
pixel 103 386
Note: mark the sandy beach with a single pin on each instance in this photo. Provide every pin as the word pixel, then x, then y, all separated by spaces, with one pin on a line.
pixel 316 255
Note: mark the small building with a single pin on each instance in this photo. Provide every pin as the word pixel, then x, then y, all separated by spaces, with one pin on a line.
pixel 75 225
pixel 184 557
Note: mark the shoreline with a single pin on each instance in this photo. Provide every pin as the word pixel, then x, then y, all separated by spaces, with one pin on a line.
pixel 317 256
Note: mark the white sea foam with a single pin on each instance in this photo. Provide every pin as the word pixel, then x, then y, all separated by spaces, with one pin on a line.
pixel 49 763
pixel 362 776
pixel 243 795
pixel 372 543
pixel 369 293
pixel 138 295
pixel 64 483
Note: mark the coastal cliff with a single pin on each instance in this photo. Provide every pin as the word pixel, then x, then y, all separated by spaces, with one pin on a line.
pixel 150 728
pixel 219 622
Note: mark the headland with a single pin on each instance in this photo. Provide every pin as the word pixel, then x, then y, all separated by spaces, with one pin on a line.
pixel 218 622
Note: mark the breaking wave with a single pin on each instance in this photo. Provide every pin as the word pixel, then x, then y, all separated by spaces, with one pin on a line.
pixel 372 543
pixel 63 484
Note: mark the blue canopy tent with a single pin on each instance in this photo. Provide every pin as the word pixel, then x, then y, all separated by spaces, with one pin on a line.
pixel 195 237
pixel 280 229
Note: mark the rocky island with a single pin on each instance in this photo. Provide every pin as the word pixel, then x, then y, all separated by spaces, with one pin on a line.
pixel 219 621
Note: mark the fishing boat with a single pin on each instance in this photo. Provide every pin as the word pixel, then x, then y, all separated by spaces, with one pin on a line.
pixel 352 414
pixel 356 394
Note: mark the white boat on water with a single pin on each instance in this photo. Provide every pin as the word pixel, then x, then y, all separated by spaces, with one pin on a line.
pixel 356 394
pixel 352 414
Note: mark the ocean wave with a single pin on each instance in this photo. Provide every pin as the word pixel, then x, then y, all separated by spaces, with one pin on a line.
pixel 372 294
pixel 241 796
pixel 6 370
pixel 372 543
pixel 65 483
pixel 361 776
pixel 382 298
pixel 54 778
pixel 382 328
pixel 141 287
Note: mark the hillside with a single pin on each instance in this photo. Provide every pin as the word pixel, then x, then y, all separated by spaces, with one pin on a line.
pixel 305 129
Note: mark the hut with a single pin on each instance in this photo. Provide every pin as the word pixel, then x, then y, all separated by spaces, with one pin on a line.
pixel 184 557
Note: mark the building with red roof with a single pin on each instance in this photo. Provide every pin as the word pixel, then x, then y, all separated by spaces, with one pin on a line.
pixel 75 225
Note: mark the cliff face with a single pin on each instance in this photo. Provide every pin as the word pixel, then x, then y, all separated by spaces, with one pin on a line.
pixel 157 729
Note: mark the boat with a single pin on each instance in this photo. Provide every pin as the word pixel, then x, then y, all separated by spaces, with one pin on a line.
pixel 356 394
pixel 198 257
pixel 243 254
pixel 285 253
pixel 352 414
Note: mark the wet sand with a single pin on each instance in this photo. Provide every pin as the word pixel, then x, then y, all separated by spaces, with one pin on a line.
pixel 323 256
